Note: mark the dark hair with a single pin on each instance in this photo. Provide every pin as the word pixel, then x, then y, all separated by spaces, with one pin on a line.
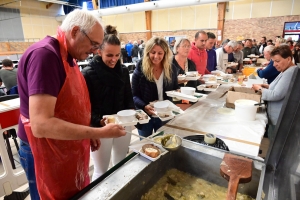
pixel 211 35
pixel 200 32
pixel 290 42
pixel 142 41
pixel 270 41
pixel 297 45
pixel 282 50
pixel 264 38
pixel 225 41
pixel 250 40
pixel 110 36
pixel 7 63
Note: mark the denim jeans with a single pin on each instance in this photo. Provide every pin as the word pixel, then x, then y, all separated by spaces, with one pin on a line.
pixel 147 129
pixel 27 162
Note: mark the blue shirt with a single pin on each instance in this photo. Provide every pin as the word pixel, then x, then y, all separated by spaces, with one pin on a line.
pixel 211 60
pixel 128 48
pixel 269 73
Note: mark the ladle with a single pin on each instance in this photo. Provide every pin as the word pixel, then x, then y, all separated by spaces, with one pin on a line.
pixel 144 138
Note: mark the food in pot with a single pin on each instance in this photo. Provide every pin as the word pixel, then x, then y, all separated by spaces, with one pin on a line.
pixel 141 115
pixel 179 185
pixel 151 150
pixel 111 119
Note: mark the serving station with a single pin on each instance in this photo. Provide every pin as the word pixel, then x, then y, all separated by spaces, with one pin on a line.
pixel 275 177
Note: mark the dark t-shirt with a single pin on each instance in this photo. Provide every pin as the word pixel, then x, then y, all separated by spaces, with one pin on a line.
pixel 8 77
pixel 40 71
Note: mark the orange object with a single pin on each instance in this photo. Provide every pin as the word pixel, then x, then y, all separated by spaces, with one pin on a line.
pixel 62 166
pixel 248 70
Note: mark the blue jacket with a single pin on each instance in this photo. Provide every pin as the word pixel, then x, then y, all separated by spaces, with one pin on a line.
pixel 211 60
pixel 128 48
pixel 269 73
pixel 144 91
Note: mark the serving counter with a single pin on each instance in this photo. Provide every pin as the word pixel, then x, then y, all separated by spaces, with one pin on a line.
pixel 207 116
pixel 275 178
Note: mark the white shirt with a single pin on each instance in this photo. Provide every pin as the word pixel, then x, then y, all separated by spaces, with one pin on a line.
pixel 222 59
pixel 159 85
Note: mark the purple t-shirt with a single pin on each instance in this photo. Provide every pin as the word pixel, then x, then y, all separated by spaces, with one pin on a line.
pixel 40 71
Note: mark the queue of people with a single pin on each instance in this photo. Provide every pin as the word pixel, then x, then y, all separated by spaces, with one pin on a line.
pixel 62 110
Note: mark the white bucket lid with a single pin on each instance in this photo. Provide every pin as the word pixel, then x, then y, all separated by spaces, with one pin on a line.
pixel 245 103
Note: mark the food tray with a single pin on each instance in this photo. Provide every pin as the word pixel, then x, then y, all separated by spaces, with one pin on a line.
pixel 134 122
pixel 144 121
pixel 204 88
pixel 172 107
pixel 161 150
pixel 170 113
pixel 192 78
pixel 191 98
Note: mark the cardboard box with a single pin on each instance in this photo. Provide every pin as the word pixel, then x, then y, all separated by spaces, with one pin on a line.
pixel 236 93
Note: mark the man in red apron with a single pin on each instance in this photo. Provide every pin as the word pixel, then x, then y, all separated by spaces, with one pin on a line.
pixel 55 110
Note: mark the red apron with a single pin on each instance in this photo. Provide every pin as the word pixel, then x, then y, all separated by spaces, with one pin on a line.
pixel 62 166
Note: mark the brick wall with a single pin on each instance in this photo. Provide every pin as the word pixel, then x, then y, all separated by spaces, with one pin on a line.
pixel 256 27
pixel 135 36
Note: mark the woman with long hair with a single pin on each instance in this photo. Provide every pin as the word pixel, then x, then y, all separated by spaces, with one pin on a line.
pixel 152 77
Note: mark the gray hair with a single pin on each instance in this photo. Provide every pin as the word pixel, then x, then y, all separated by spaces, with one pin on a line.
pixel 269 48
pixel 178 42
pixel 84 19
pixel 232 43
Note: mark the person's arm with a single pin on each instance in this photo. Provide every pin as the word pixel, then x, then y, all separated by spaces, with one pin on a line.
pixel 280 89
pixel 136 92
pixel 45 125
pixel 268 72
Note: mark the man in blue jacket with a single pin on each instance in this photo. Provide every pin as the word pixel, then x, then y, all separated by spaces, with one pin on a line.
pixel 270 72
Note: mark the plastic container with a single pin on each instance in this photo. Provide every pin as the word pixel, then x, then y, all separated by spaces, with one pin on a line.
pixel 245 109
pixel 126 115
pixel 161 106
pixel 188 90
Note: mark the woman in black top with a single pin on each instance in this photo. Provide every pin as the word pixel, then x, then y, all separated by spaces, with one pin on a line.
pixel 110 91
pixel 183 64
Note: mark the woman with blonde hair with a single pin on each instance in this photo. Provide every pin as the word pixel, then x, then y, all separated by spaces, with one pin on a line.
pixel 152 77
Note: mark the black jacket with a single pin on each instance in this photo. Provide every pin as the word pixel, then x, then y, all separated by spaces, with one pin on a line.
pixel 135 51
pixel 145 91
pixel 109 89
pixel 191 67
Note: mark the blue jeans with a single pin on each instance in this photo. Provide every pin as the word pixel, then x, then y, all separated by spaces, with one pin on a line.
pixel 27 162
pixel 147 129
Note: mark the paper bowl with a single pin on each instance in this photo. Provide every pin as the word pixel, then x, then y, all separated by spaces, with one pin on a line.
pixel 126 115
pixel 161 106
pixel 188 90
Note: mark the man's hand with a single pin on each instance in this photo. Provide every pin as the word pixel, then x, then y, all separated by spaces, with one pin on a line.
pixel 95 144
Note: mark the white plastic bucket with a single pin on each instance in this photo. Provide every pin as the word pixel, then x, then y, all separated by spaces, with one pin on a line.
pixel 245 109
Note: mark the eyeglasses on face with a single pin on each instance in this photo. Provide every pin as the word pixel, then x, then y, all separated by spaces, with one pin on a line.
pixel 95 45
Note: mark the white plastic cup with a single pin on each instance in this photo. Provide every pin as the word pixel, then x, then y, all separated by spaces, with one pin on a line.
pixel 245 109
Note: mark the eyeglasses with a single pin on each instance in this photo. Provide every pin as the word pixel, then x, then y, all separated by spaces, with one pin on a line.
pixel 95 45
pixel 186 46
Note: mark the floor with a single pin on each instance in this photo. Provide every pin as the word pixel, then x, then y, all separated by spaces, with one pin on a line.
pixel 264 149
